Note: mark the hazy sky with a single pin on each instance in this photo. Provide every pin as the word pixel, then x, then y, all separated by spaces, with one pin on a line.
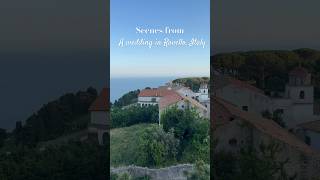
pixel 48 48
pixel 265 24
pixel 193 16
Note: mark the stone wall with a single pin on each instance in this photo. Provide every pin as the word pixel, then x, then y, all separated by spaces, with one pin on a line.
pixel 170 173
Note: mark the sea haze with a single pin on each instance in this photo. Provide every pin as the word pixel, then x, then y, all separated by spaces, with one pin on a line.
pixel 30 80
pixel 120 86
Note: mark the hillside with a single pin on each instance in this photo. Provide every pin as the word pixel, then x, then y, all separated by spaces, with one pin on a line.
pixel 192 82
pixel 268 69
pixel 124 144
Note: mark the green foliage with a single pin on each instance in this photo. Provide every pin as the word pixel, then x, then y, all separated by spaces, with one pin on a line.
pixel 3 136
pixel 251 163
pixel 124 149
pixel 191 130
pixel 262 163
pixel 124 176
pixel 57 118
pixel 123 117
pixel 127 99
pixel 75 160
pixel 224 165
pixel 268 69
pixel 193 83
pixel 201 172
pixel 157 148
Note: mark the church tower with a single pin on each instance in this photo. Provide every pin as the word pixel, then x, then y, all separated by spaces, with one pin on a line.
pixel 299 91
pixel 204 92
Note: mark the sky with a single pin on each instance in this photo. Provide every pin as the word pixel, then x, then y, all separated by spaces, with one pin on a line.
pixel 49 48
pixel 192 15
pixel 243 25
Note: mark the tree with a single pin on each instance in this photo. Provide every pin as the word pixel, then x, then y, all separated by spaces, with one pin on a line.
pixel 157 148
pixel 3 136
pixel 122 117
pixel 192 131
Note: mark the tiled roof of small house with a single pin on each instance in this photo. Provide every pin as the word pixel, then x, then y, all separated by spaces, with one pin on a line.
pixel 299 71
pixel 311 125
pixel 222 81
pixel 101 103
pixel 266 126
pixel 195 103
pixel 156 92
pixel 169 99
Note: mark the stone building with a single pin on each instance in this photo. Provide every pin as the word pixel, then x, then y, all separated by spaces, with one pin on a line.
pixel 99 117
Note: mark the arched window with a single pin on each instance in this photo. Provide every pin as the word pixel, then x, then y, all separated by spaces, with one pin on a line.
pixel 301 95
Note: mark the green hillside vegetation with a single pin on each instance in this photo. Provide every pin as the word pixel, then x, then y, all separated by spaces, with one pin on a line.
pixel 127 99
pixel 182 138
pixel 268 69
pixel 123 117
pixel 68 114
pixel 193 82
pixel 124 147
pixel 47 146
pixel 73 160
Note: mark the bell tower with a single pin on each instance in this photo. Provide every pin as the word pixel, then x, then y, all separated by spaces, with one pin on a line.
pixel 300 93
pixel 300 89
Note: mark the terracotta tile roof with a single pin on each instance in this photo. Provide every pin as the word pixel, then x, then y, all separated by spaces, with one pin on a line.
pixel 222 81
pixel 195 103
pixel 102 101
pixel 266 126
pixel 311 125
pixel 299 71
pixel 156 92
pixel 169 99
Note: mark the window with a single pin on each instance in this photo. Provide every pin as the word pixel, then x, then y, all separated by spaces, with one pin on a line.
pixel 301 95
pixel 182 106
pixel 245 108
pixel 233 142
pixel 307 140
pixel 153 100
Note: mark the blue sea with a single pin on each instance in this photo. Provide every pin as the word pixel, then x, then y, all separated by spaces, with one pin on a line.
pixel 120 86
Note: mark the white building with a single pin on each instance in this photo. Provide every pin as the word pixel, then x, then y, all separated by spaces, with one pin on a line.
pixel 184 91
pixel 180 96
pixel 235 129
pixel 296 106
pixel 241 94
pixel 203 94
pixel 99 117
pixel 182 102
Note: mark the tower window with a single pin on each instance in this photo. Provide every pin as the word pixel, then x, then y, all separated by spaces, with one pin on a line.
pixel 301 95
pixel 245 108
pixel 233 142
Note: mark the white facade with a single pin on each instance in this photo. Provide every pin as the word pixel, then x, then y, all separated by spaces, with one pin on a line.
pixel 245 99
pixel 296 106
pixel 203 94
pixel 99 124
pixel 183 91
pixel 148 101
